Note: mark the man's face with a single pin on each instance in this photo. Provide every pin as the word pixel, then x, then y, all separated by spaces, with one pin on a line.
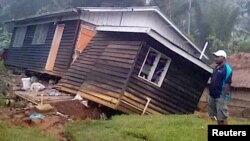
pixel 218 59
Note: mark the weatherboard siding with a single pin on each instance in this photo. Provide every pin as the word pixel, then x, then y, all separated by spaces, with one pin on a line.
pixel 30 56
pixel 34 57
pixel 66 47
pixel 108 58
pixel 180 91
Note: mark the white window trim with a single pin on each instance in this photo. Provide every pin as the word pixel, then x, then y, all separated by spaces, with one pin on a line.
pixel 159 55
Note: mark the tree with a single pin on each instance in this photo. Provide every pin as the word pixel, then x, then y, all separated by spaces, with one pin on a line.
pixel 212 21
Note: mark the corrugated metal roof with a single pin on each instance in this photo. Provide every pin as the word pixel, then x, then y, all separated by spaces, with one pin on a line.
pixel 142 9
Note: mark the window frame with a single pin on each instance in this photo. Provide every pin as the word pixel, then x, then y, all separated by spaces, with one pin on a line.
pixel 17 36
pixel 40 32
pixel 152 71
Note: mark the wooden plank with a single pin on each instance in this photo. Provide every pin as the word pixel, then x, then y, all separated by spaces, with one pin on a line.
pixel 105 87
pixel 102 88
pixel 123 47
pixel 26 98
pixel 112 58
pixel 115 64
pixel 143 101
pixel 117 79
pixel 119 55
pixel 130 107
pixel 124 109
pixel 104 100
pixel 108 82
pixel 72 83
pixel 68 88
pixel 170 94
pixel 125 42
pixel 111 73
pixel 125 51
pixel 142 85
pixel 167 106
pixel 141 106
pixel 113 68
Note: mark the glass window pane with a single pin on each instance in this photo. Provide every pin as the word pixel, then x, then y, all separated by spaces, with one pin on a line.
pixel 19 37
pixel 40 34
pixel 159 70
pixel 148 64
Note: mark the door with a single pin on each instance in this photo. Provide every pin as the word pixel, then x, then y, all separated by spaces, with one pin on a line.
pixel 54 47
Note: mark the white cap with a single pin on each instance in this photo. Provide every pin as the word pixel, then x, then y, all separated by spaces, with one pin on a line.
pixel 220 53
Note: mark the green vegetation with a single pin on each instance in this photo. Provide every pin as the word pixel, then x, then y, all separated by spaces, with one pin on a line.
pixel 12 133
pixel 4 39
pixel 140 128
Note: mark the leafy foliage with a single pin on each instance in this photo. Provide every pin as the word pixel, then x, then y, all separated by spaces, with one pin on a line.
pixel 4 39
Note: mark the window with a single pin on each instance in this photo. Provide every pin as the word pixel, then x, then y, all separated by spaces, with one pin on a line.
pixel 19 36
pixel 155 67
pixel 40 34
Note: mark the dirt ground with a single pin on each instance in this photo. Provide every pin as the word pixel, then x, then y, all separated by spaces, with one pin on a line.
pixel 52 123
pixel 19 111
pixel 77 111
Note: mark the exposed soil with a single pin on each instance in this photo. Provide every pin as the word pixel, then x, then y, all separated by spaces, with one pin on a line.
pixel 52 123
pixel 76 110
pixel 18 110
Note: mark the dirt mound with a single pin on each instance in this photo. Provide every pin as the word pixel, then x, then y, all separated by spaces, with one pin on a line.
pixel 76 110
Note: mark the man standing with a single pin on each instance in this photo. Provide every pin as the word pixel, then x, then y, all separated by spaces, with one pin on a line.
pixel 219 88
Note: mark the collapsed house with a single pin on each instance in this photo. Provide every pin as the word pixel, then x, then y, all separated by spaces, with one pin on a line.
pixel 130 59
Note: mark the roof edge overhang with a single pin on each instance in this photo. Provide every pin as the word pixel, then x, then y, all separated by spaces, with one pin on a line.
pixel 160 39
pixel 151 8
pixel 44 16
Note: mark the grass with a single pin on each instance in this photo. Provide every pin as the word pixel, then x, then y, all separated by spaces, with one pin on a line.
pixel 143 128
pixel 13 133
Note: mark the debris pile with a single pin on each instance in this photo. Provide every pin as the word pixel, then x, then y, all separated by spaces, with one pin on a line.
pixel 33 102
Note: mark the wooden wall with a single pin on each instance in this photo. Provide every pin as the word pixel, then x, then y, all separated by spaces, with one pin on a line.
pixel 77 73
pixel 102 70
pixel 30 56
pixel 66 48
pixel 179 93
pixel 34 57
pixel 102 74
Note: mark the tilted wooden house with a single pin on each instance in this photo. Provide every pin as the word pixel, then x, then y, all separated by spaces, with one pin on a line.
pixel 131 59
